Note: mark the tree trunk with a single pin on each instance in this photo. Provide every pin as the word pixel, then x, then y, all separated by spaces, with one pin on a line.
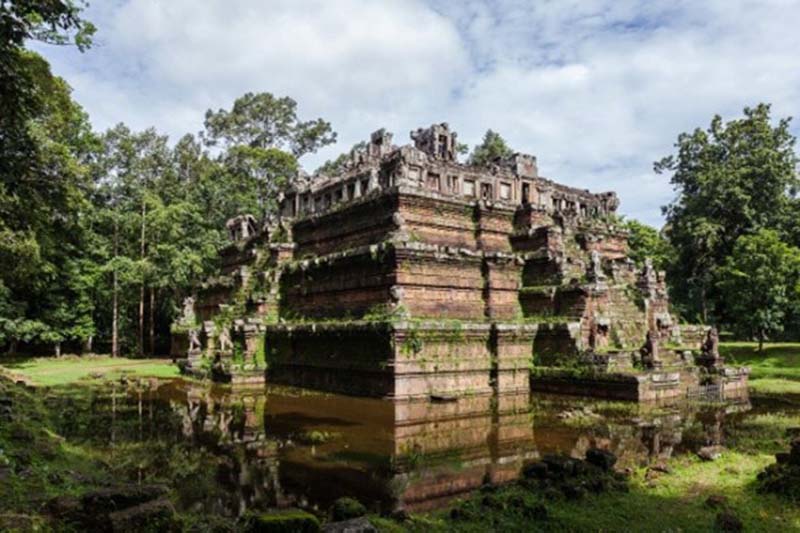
pixel 115 305
pixel 141 319
pixel 12 347
pixel 87 344
pixel 152 321
pixel 704 305
pixel 58 349
pixel 141 290
pixel 760 341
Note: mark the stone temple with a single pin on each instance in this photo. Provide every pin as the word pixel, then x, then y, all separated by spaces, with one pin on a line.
pixel 411 275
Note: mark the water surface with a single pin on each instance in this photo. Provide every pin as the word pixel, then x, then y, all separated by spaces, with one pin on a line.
pixel 227 451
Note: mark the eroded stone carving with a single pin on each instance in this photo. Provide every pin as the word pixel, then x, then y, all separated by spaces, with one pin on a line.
pixel 224 339
pixel 194 340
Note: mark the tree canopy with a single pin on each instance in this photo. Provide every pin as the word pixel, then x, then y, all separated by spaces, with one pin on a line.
pixel 732 179
pixel 492 147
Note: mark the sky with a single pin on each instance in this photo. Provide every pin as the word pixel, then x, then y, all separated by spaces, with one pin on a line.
pixel 597 89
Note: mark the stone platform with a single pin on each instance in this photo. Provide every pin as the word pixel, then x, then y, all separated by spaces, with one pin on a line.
pixel 402 359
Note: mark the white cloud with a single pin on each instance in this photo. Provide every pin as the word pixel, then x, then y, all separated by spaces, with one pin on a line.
pixel 597 89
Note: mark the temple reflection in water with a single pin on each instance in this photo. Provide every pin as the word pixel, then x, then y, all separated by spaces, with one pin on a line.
pixel 251 449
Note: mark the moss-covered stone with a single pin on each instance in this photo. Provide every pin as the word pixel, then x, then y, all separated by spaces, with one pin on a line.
pixel 347 508
pixel 285 521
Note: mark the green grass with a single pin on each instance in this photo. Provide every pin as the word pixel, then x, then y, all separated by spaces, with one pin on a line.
pixel 50 371
pixel 775 371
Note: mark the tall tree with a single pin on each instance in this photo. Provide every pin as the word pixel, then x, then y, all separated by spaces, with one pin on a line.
pixel 732 179
pixel 43 207
pixel 759 282
pixel 492 148
pixel 262 139
pixel 42 137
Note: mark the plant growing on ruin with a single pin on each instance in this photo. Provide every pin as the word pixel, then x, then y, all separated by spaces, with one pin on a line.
pixel 492 148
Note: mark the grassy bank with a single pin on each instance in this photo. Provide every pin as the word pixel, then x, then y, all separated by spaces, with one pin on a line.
pixel 51 371
pixel 774 371
pixel 656 502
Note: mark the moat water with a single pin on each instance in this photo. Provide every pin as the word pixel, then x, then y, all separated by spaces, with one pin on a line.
pixel 228 451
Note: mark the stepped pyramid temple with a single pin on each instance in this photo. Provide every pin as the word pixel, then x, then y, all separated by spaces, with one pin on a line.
pixel 410 275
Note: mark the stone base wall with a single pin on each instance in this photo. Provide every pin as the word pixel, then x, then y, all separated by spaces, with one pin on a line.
pixel 351 359
pixel 650 386
pixel 402 360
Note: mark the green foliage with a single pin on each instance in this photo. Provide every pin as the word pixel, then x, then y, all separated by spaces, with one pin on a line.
pixel 336 166
pixel 759 281
pixel 49 21
pixel 260 355
pixel 645 241
pixel 413 343
pixel 732 179
pixel 262 138
pixel 47 269
pixel 492 148
pixel 264 121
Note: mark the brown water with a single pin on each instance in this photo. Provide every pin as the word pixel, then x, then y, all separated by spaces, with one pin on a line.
pixel 228 451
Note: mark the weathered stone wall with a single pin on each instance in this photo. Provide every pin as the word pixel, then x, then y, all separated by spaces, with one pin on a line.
pixel 432 219
pixel 435 282
pixel 338 285
pixel 494 225
pixel 501 273
pixel 402 360
pixel 367 221
pixel 351 358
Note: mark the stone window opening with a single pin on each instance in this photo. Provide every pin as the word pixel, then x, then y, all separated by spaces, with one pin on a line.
pixel 469 188
pixel 433 182
pixel 339 195
pixel 452 184
pixel 351 191
pixel 486 191
pixel 364 186
pixel 526 193
pixel 328 200
pixel 505 191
